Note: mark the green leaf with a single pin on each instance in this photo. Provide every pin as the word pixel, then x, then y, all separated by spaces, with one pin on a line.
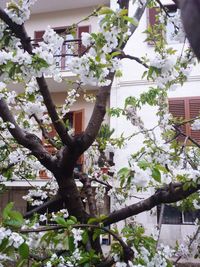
pixel 123 174
pixel 143 164
pixel 85 238
pixel 123 12
pixel 156 175
pixel 105 10
pixel 12 218
pixel 73 219
pixel 4 244
pixel 116 53
pixel 7 210
pixel 61 221
pixel 130 101
pixel 161 168
pixel 144 74
pixel 92 220
pixel 131 20
pixel 21 263
pixel 71 243
pixel 24 251
pixel 96 234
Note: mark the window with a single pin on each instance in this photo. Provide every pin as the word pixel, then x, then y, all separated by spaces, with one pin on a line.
pixel 170 27
pixel 173 215
pixel 186 108
pixel 72 46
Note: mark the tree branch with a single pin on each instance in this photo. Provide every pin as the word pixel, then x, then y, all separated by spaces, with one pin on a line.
pixel 128 252
pixel 97 117
pixel 87 187
pixel 171 193
pixel 28 140
pixel 190 244
pixel 137 16
pixel 49 205
pixel 99 110
pixel 57 122
pixel 123 4
pixel 185 135
pixel 44 132
pixel 21 33
pixel 123 55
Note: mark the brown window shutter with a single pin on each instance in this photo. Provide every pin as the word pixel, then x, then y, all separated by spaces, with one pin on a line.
pixel 194 107
pixel 81 48
pixel 151 19
pixel 152 13
pixel 177 109
pixel 78 121
pixel 38 36
pixel 78 128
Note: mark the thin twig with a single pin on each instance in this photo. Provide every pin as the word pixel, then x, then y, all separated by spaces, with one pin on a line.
pixel 123 56
pixel 125 247
pixel 190 244
pixel 44 132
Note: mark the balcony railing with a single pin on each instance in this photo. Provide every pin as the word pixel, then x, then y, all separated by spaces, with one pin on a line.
pixel 69 49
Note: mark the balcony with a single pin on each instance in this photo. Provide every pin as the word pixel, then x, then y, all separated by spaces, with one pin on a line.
pixel 70 48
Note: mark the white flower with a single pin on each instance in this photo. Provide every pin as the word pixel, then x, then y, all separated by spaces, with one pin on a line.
pixel 43 218
pixel 16 156
pixel 120 264
pixel 196 125
pixel 86 39
pixel 141 177
pixel 15 239
pixel 77 235
pixel 35 108
pixel 196 204
pixel 48 264
pixel 19 13
pixel 31 87
pixel 2 86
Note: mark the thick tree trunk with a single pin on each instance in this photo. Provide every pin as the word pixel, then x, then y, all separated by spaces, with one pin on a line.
pixel 70 194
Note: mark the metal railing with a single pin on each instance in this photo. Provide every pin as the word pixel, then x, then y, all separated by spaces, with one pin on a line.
pixel 69 49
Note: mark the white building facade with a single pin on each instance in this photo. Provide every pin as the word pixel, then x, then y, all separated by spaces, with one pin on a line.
pixel 61 14
pixel 176 226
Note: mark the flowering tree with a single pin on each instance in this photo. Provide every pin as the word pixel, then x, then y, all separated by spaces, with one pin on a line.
pixel 71 236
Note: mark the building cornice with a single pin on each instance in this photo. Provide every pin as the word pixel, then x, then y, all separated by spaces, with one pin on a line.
pixel 195 78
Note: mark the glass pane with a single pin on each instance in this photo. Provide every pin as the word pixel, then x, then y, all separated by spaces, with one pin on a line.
pixel 171 215
pixel 191 216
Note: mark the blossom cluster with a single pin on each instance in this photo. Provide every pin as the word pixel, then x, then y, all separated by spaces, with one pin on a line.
pixel 19 12
pixel 72 95
pixel 14 239
pixel 196 125
pixel 41 62
pixel 97 62
pixel 38 195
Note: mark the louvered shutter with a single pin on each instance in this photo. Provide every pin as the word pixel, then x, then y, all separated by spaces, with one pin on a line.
pixel 81 29
pixel 194 109
pixel 177 109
